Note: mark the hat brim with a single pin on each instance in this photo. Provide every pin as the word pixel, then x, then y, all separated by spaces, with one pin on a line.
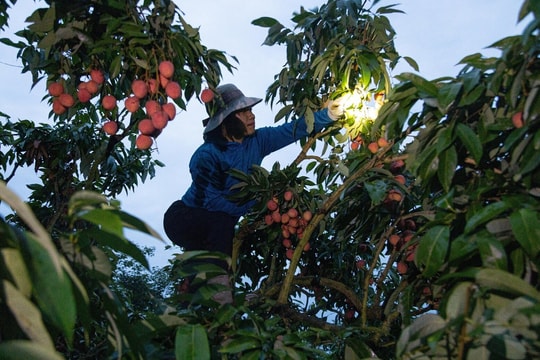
pixel 241 103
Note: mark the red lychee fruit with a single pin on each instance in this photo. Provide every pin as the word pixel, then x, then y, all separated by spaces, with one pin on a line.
pixel 170 110
pixel 108 102
pixel 207 95
pixel 153 86
pixel 57 107
pixel 97 76
pixel 163 81
pixel 132 104
pixel 146 127
pixel 139 88
pixel 84 95
pixel 92 87
pixel 288 195
pixel 143 142
pixel 166 68
pixel 110 127
pixel 517 120
pixel 271 205
pixel 55 89
pixel 66 100
pixel 160 119
pixel 173 90
pixel 152 106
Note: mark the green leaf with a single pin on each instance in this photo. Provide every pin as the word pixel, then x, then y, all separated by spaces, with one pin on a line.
pixel 422 329
pixel 536 141
pixel 500 280
pixel 13 262
pixel 96 260
pixel 9 42
pixel 518 259
pixel 456 302
pixel 84 198
pixel 241 344
pixel 432 250
pixel 253 355
pixel 48 41
pixel 447 95
pixel 135 223
pixel 492 252
pixel 44 24
pixel 426 163
pixel 485 214
pixel 471 79
pixel 191 343
pixel 117 243
pixel 27 350
pixel 27 315
pixel 52 290
pixel 309 118
pixel 140 62
pixel 447 167
pixel 470 140
pixel 445 137
pixel 25 213
pixel 224 315
pixel 426 87
pixel 265 21
pixel 462 248
pixel 106 220
pixel 472 96
pixel 196 255
pixel 526 229
pixel 377 190
pixel 412 63
pixel 508 347
pixel 514 137
pixel 358 347
pixel 530 162
pixel 115 67
pixel 400 93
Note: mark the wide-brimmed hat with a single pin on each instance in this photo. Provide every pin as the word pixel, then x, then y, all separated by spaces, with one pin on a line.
pixel 228 99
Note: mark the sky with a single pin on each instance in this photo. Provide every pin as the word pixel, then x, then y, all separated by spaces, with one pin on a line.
pixel 435 33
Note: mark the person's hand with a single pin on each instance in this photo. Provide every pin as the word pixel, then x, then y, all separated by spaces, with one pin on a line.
pixel 337 107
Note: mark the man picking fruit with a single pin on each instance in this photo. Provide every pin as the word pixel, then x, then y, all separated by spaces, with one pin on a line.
pixel 204 218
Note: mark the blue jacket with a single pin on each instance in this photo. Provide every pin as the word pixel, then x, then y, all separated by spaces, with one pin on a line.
pixel 209 164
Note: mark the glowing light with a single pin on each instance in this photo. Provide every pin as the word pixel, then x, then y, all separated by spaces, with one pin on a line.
pixel 362 110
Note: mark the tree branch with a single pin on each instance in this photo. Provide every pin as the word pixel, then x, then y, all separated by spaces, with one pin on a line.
pixel 320 215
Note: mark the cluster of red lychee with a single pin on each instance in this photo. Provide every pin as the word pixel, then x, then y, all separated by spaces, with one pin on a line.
pixel 147 92
pixel 405 232
pixel 405 229
pixel 292 221
pixel 372 146
pixel 394 196
pixel 86 90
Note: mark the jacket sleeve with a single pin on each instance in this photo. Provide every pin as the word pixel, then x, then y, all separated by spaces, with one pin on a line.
pixel 273 138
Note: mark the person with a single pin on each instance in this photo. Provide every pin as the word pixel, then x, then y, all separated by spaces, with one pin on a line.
pixel 204 218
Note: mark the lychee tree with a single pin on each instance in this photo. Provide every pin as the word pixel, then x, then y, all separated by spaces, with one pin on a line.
pixel 107 66
pixel 104 67
pixel 423 239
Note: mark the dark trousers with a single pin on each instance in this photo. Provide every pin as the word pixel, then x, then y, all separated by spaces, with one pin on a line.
pixel 200 229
